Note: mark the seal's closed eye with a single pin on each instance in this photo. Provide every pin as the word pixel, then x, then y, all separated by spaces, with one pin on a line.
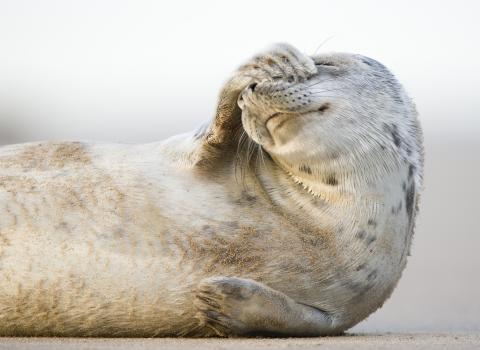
pixel 328 64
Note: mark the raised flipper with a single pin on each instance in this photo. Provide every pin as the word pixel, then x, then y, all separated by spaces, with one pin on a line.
pixel 282 61
pixel 232 306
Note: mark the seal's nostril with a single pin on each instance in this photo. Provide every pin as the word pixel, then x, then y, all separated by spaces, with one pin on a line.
pixel 252 86
pixel 240 101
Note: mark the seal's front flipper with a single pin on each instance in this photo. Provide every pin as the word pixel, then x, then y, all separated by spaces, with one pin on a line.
pixel 281 61
pixel 232 306
pixel 220 137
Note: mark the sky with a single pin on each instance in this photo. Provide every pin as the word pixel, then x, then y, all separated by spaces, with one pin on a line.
pixel 138 71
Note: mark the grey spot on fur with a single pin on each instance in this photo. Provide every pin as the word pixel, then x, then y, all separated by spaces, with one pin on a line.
pixel 370 240
pixel 62 226
pixel 393 131
pixel 317 201
pixel 361 234
pixel 333 155
pixel 246 198
pixel 306 169
pixel 232 224
pixel 312 239
pixel 372 222
pixel 331 180
pixel 409 201
pixel 356 287
pixel 361 267
pixel 373 63
pixel 411 171
pixel 372 275
pixel 368 61
pixel 208 230
pixel 398 208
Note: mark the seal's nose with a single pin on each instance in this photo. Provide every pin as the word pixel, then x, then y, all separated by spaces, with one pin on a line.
pixel 247 93
pixel 240 101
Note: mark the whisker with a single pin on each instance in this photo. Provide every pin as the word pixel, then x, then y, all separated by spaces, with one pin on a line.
pixel 246 153
pixel 262 155
pixel 243 139
pixel 327 90
pixel 334 97
pixel 330 79
pixel 323 43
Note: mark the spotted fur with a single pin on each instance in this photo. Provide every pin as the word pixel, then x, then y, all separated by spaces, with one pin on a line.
pixel 166 239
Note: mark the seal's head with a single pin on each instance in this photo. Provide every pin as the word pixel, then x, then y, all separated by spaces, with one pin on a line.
pixel 349 107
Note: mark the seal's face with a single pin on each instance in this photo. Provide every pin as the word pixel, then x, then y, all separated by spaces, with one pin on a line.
pixel 346 103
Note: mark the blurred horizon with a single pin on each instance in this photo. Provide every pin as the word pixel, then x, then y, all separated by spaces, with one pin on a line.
pixel 140 71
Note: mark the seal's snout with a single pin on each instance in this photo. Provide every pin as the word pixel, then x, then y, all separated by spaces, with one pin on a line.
pixel 269 97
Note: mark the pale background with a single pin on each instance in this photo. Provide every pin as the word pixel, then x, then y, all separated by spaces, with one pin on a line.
pixel 137 71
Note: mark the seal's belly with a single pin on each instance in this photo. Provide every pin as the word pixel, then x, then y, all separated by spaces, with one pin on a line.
pixel 84 223
pixel 83 245
pixel 115 230
pixel 79 250
pixel 76 246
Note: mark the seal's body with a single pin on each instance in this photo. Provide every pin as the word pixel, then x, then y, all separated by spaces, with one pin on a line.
pixel 304 231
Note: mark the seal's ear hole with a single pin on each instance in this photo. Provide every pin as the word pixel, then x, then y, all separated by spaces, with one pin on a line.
pixel 324 107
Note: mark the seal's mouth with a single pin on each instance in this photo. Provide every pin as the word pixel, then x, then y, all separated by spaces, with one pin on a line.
pixel 277 119
pixel 273 116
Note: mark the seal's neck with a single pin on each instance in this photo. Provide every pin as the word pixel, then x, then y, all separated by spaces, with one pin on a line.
pixel 345 175
pixel 332 192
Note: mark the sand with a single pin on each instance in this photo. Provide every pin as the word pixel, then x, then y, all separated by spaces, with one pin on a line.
pixel 349 341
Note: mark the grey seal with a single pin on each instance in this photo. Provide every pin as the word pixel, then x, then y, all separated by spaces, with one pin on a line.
pixel 291 213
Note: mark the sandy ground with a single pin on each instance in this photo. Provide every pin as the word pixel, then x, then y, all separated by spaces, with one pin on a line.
pixel 351 341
